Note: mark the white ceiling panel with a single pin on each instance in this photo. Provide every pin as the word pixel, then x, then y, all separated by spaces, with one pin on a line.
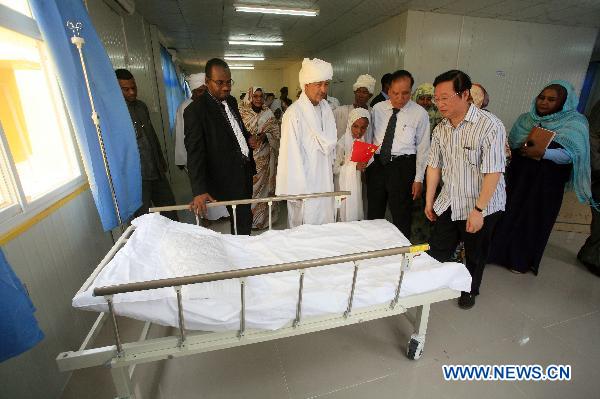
pixel 200 29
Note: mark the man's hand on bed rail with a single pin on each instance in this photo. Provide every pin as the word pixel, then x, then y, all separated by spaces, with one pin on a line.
pixel 198 204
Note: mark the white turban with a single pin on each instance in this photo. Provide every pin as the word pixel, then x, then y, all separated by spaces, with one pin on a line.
pixel 358 113
pixel 196 80
pixel 367 81
pixel 314 70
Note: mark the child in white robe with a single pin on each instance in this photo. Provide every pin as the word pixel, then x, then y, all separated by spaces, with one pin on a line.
pixel 348 173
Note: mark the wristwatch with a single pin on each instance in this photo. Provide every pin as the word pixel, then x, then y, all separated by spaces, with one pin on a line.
pixel 478 209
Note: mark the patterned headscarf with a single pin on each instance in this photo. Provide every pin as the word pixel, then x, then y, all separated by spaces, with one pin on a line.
pixel 426 89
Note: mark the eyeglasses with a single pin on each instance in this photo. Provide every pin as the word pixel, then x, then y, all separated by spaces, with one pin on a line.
pixel 444 100
pixel 220 83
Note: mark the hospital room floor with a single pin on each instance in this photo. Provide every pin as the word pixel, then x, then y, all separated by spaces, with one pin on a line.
pixel 553 318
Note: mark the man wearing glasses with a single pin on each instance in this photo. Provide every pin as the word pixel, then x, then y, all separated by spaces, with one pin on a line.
pixel 467 153
pixel 220 162
pixel 395 177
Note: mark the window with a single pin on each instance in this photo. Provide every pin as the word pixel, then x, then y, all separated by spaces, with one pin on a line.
pixel 37 154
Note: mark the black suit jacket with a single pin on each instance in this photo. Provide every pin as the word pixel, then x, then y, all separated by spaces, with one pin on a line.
pixel 377 99
pixel 215 162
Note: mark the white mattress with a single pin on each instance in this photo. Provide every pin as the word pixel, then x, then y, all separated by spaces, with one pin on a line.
pixel 160 248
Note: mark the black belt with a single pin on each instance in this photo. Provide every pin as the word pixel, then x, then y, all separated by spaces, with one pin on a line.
pixel 396 157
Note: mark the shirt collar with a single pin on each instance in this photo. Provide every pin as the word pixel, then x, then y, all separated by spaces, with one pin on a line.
pixel 388 105
pixel 472 116
pixel 384 94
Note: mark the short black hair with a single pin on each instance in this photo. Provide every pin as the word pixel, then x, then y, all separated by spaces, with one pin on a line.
pixel 269 95
pixel 284 88
pixel 460 80
pixel 123 74
pixel 214 62
pixel 403 74
pixel 386 79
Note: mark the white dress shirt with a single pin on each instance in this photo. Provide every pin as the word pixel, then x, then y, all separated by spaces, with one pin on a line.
pixel 411 135
pixel 236 129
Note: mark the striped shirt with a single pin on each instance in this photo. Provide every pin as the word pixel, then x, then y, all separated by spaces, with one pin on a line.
pixel 465 154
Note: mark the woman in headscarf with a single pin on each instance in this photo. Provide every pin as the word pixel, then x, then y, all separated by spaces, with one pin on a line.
pixel 262 125
pixel 348 173
pixel 535 188
pixel 420 229
pixel 423 96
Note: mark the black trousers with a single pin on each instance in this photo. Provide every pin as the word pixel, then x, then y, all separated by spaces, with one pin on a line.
pixel 243 213
pixel 392 184
pixel 447 234
pixel 157 193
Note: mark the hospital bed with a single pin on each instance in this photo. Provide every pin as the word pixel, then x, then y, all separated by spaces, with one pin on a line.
pixel 221 291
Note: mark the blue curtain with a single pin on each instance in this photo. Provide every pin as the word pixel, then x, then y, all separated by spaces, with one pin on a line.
pixel 117 128
pixel 175 87
pixel 19 329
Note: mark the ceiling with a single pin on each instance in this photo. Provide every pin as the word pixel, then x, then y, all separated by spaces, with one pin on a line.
pixel 200 29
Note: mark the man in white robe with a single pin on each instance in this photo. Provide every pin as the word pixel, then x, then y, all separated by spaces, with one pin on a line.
pixel 197 84
pixel 307 149
pixel 363 90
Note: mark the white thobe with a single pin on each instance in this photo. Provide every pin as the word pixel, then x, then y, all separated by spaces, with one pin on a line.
pixel 306 156
pixel 348 179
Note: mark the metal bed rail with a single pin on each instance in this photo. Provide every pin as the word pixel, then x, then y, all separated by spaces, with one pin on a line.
pixel 338 195
pixel 177 282
pixel 123 357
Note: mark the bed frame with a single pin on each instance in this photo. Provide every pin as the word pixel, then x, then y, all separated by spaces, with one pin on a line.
pixel 122 358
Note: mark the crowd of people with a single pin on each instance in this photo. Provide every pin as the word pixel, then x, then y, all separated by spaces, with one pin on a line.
pixel 443 164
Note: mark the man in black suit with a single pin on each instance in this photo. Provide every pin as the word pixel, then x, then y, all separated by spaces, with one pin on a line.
pixel 218 146
pixel 386 81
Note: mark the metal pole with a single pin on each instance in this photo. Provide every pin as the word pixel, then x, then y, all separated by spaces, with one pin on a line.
pixel 78 41
pixel 243 309
pixel 180 314
pixel 113 317
pixel 299 304
pixel 351 299
pixel 406 258
pixel 234 218
pixel 270 214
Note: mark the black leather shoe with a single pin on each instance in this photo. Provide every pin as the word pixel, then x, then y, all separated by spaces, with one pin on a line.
pixel 466 300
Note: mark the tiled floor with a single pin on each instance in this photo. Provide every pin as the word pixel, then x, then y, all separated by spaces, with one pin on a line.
pixel 553 318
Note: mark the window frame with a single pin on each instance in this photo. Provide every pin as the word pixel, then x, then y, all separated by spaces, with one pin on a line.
pixel 21 210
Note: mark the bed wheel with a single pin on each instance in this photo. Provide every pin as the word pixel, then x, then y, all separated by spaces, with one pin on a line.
pixel 414 349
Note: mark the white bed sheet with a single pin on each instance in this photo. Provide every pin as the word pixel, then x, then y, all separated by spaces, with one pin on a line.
pixel 160 248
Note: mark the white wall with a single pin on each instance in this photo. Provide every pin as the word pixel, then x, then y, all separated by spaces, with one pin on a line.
pixel 375 51
pixel 512 60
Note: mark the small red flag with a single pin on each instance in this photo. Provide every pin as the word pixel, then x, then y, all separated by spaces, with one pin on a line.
pixel 362 152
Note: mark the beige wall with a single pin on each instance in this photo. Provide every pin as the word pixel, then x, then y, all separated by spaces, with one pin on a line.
pixel 53 258
pixel 269 79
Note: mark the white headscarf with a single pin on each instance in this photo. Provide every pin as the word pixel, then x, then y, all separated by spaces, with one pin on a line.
pixel 355 114
pixel 314 70
pixel 367 81
pixel 196 80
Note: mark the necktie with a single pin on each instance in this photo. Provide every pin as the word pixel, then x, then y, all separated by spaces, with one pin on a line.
pixel 385 154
